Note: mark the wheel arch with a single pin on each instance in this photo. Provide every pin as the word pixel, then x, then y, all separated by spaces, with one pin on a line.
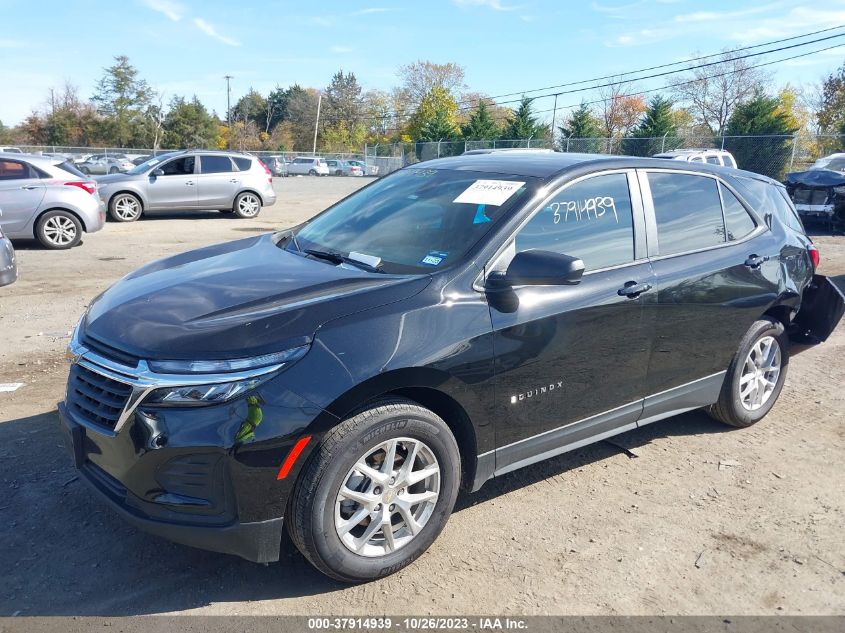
pixel 422 386
pixel 131 192
pixel 248 190
pixel 41 214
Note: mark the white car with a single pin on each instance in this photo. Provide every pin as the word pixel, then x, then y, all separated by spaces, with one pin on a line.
pixel 709 156
pixel 834 162
pixel 10 150
pixel 308 165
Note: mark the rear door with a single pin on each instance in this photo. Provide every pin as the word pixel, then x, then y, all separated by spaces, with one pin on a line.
pixel 21 193
pixel 217 182
pixel 571 361
pixel 717 269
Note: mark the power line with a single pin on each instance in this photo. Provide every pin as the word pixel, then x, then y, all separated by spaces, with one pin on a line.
pixel 686 61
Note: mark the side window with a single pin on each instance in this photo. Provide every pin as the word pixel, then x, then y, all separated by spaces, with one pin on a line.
pixel 784 209
pixel 737 221
pixel 210 164
pixel 688 212
pixel 13 170
pixel 178 166
pixel 591 219
pixel 729 161
pixel 243 163
pixel 696 159
pixel 713 160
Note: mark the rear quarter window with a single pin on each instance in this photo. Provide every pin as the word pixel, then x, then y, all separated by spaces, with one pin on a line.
pixel 243 163
pixel 688 212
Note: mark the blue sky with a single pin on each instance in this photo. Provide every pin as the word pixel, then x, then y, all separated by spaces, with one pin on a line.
pixel 184 47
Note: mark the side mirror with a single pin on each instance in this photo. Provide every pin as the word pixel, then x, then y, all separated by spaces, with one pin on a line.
pixel 538 268
pixel 157 172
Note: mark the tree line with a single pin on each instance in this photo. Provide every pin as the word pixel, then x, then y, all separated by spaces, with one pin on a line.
pixel 432 102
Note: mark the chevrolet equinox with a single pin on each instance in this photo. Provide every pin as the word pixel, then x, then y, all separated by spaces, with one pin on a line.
pixel 452 322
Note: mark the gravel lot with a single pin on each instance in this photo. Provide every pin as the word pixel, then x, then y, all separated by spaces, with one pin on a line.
pixel 595 531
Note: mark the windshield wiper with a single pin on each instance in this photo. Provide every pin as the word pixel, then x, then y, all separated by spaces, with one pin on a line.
pixel 339 258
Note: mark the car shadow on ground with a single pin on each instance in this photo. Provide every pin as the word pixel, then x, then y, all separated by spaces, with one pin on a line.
pixel 64 553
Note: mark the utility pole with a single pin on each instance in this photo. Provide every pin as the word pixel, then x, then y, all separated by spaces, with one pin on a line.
pixel 554 120
pixel 229 108
pixel 317 123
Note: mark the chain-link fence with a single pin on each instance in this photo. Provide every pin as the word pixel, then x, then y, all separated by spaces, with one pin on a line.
pixel 772 156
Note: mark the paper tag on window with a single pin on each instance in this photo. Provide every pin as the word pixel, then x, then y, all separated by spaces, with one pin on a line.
pixel 492 192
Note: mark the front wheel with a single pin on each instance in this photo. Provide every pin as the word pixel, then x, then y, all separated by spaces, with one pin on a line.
pixel 312 172
pixel 113 170
pixel 755 376
pixel 376 492
pixel 125 207
pixel 247 205
pixel 58 230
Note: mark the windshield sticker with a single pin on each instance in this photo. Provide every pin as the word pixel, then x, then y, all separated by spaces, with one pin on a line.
pixel 480 217
pixel 492 192
pixel 433 258
pixel 578 210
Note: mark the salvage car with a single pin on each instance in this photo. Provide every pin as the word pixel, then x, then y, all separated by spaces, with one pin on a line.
pixel 48 199
pixel 818 195
pixel 185 180
pixel 454 321
pixel 99 164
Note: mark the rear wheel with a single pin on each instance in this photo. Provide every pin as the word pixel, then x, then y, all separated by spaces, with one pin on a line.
pixel 376 492
pixel 755 376
pixel 125 207
pixel 312 172
pixel 58 230
pixel 113 170
pixel 85 170
pixel 247 205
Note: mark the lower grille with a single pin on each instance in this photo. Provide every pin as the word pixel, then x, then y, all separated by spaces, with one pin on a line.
pixel 810 196
pixel 96 398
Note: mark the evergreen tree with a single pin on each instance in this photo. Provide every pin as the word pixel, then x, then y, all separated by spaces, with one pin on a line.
pixel 581 132
pixel 189 125
pixel 523 124
pixel 122 97
pixel 655 132
pixel 481 126
pixel 760 116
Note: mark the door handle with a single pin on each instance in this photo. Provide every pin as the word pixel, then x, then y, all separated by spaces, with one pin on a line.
pixel 632 289
pixel 29 187
pixel 234 180
pixel 190 183
pixel 754 261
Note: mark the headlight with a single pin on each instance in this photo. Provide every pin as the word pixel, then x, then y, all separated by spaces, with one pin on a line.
pixel 226 379
pixel 199 395
pixel 222 366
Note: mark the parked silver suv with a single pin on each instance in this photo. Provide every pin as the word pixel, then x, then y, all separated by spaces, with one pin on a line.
pixel 185 180
pixel 49 199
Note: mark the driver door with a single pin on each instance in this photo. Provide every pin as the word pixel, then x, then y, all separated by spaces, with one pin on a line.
pixel 571 361
pixel 175 187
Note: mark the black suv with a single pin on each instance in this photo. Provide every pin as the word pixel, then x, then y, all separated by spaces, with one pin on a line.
pixel 454 321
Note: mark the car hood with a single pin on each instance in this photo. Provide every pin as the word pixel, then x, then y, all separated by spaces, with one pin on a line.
pixel 815 179
pixel 110 178
pixel 232 300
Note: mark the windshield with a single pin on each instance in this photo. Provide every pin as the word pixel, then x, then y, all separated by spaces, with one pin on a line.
pixel 149 164
pixel 416 220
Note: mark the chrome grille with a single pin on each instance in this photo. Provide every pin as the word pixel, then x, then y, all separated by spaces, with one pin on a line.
pixel 96 398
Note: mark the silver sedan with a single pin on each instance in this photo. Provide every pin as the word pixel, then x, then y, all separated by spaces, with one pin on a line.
pixel 48 199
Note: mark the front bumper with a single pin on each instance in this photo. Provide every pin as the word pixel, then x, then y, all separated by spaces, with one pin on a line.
pixel 256 541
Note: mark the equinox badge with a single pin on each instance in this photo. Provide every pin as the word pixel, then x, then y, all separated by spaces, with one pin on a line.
pixel 537 391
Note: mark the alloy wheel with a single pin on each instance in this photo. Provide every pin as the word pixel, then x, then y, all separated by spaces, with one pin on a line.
pixel 760 373
pixel 249 205
pixel 387 497
pixel 127 207
pixel 60 230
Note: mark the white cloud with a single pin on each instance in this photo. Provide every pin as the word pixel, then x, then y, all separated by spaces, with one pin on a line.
pixel 209 30
pixel 341 49
pixel 372 11
pixel 496 5
pixel 173 10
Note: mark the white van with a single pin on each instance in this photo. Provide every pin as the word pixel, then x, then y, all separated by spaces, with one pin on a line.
pixel 307 165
